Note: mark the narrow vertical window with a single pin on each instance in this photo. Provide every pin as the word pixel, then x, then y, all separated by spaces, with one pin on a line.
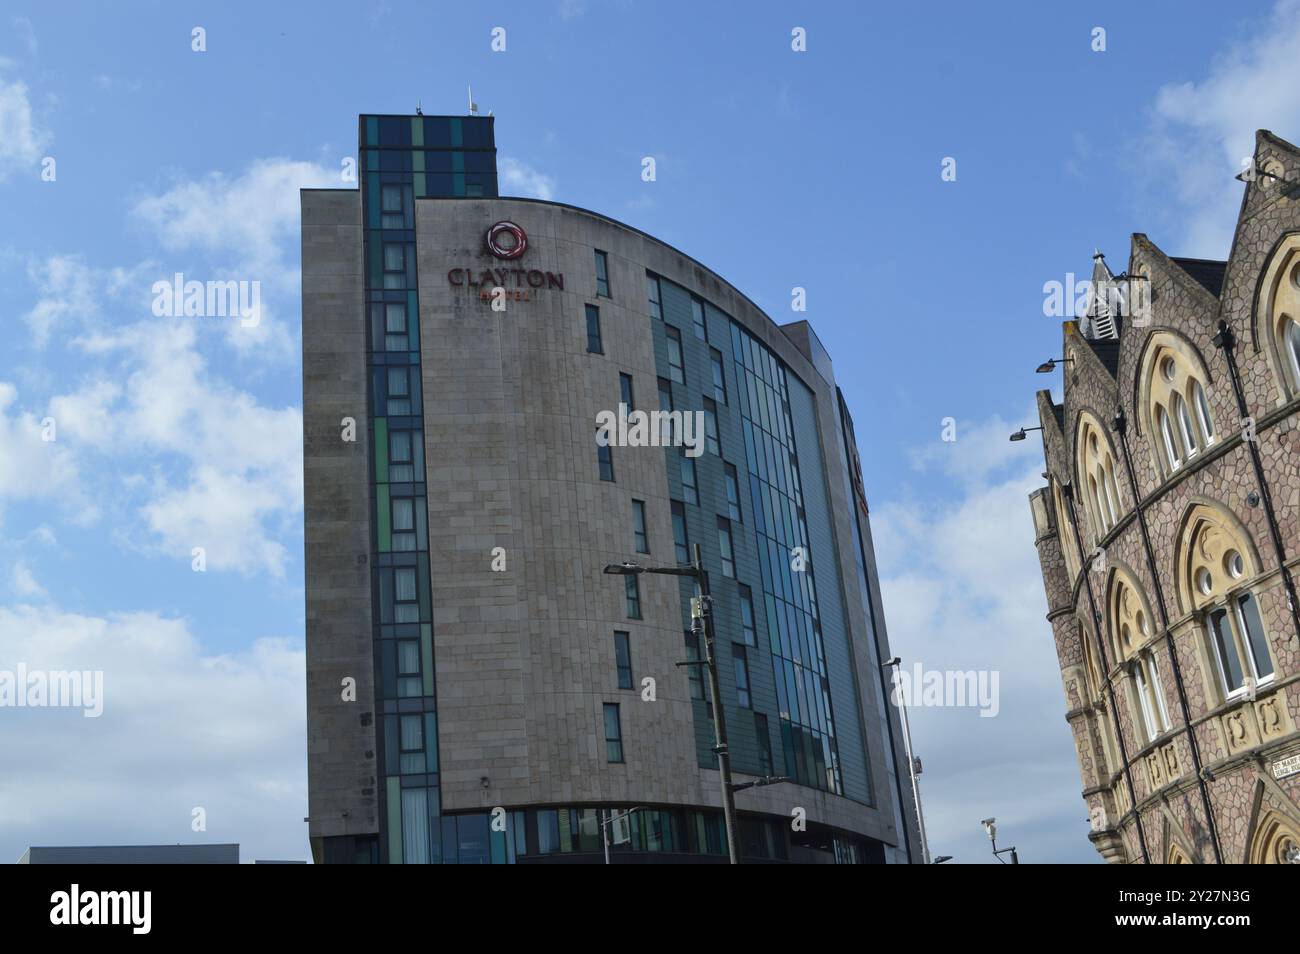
pixel 733 491
pixel 623 659
pixel 666 406
pixel 681 544
pixel 741 663
pixel 724 547
pixel 1203 411
pixel 633 591
pixel 602 274
pixel 697 319
pixel 711 427
pixel 653 294
pixel 613 734
pixel 747 615
pixel 593 330
pixel 690 490
pixel 1252 628
pixel 719 380
pixel 1185 426
pixel 640 537
pixel 764 744
pixel 676 369
pixel 1167 435
pixel 625 391
pixel 605 459
pixel 693 672
pixel 1225 652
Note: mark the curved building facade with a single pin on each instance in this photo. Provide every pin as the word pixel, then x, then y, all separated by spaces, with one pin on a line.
pixel 1169 536
pixel 535 392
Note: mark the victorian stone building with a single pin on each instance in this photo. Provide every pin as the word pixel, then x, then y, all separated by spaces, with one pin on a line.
pixel 1169 537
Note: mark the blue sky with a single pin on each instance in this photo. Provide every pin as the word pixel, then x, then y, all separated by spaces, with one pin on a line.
pixel 777 169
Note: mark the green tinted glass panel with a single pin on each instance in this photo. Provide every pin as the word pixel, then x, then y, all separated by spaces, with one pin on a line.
pixel 417 130
pixel 456 137
pixel 372 130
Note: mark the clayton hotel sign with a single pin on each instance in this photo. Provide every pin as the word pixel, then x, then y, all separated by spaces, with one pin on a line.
pixel 507 242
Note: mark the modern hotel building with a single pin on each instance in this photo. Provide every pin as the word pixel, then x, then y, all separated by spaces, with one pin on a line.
pixel 477 689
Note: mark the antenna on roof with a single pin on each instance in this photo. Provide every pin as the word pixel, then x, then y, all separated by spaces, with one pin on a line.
pixel 418 110
pixel 473 106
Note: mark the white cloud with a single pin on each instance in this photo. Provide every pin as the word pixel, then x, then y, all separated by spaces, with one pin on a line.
pixel 180 729
pixel 962 590
pixel 519 178
pixel 71 294
pixel 24 582
pixel 22 140
pixel 32 467
pixel 242 460
pixel 247 221
pixel 1202 130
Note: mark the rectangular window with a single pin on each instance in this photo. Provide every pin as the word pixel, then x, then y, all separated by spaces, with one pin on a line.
pixel 412 744
pixel 548 831
pixel 676 369
pixel 733 491
pixel 613 734
pixel 593 330
pixel 623 660
pixel 690 490
pixel 711 427
pixel 681 544
pixel 602 274
pixel 764 744
pixel 1144 701
pixel 395 265
pixel 724 547
pixel 395 331
pixel 406 607
pixel 1225 651
pixel 405 456
pixel 740 662
pixel 719 382
pixel 653 294
pixel 408 669
pixel 747 615
pixel 1253 629
pixel 403 524
pixel 395 201
pixel 605 457
pixel 399 391
pixel 639 534
pixel 697 319
pixel 633 590
pixel 625 390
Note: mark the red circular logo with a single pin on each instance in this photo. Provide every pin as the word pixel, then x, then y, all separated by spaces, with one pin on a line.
pixel 506 240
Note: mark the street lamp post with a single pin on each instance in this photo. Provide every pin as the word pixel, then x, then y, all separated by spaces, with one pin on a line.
pixel 911 759
pixel 702 620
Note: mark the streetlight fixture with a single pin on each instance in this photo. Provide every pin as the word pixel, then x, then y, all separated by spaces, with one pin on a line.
pixel 1020 434
pixel 911 759
pixel 1048 366
pixel 942 858
pixel 702 621
pixel 991 828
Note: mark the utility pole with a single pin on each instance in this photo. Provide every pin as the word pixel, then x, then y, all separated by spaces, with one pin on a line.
pixel 702 618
